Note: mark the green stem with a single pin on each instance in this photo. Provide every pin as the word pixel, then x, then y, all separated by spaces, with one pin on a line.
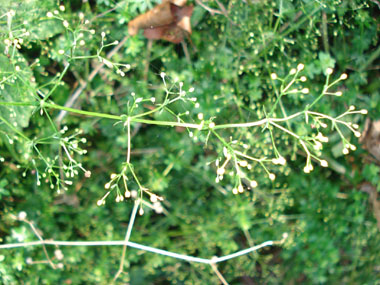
pixel 325 88
pixel 81 112
pixel 51 122
pixel 59 81
pixel 374 56
pixel 165 123
pixel 292 28
pixel 149 112
pixel 84 57
pixel 296 26
pixel 102 115
pixel 221 139
pixel 14 129
pixel 279 17
pixel 18 103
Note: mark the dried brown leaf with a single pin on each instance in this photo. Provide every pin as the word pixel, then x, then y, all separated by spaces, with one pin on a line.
pixel 371 190
pixel 169 21
pixel 370 138
pixel 160 15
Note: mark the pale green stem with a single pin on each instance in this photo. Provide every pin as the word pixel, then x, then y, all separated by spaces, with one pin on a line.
pixel 14 129
pixel 129 140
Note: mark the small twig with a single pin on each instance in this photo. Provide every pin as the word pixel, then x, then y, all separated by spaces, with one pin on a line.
pixel 286 25
pixel 371 190
pixel 106 12
pixel 186 52
pixel 325 32
pixel 35 231
pixel 70 102
pixel 224 11
pixel 375 55
pixel 60 162
pixel 147 59
pixel 376 2
pixel 212 11
pixel 145 151
pixel 217 272
pixel 127 236
pixel 144 247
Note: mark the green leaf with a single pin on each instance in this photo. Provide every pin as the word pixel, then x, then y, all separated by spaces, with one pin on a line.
pixel 31 14
pixel 326 61
pixel 16 86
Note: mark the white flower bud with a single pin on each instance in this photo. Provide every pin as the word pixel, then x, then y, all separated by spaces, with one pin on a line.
pixel 22 215
pixel 58 254
pixel 153 198
pixel 220 171
pixel 300 67
pixel 134 193
pixel 343 76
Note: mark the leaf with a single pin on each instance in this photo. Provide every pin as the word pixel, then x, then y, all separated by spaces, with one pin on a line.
pixel 160 15
pixel 169 20
pixel 371 190
pixel 18 87
pixel 197 16
pixel 326 61
pixel 370 137
pixel 32 15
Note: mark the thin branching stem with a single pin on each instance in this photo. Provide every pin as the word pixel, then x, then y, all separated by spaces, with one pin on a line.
pixel 126 239
pixel 142 247
pixel 129 140
pixel 217 272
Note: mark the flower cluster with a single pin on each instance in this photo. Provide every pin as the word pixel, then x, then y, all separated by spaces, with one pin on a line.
pixel 70 145
pixel 15 37
pixel 311 144
pixel 113 185
pixel 60 170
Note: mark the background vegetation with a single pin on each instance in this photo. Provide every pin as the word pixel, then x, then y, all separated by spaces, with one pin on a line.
pixel 237 63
